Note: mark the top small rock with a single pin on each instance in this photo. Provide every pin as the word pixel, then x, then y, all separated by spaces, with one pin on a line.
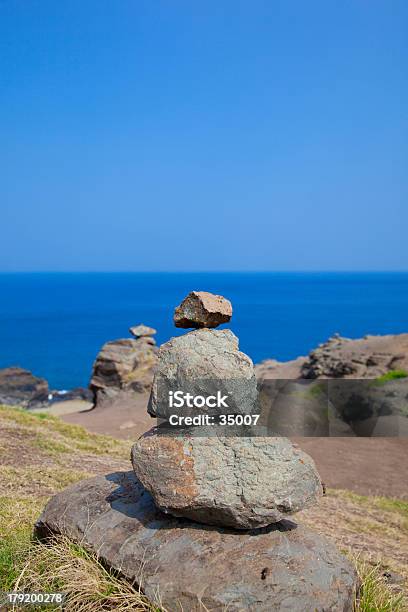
pixel 141 331
pixel 202 309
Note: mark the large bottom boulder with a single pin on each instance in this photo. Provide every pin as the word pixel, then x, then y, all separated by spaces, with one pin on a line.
pixel 182 565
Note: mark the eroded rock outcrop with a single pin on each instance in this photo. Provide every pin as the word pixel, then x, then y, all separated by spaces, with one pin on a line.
pixel 338 357
pixel 19 387
pixel 368 357
pixel 346 393
pixel 123 366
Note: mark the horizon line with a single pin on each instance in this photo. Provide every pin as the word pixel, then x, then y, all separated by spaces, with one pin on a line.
pixel 234 271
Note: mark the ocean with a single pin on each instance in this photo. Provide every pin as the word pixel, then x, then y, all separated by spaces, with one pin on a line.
pixel 55 323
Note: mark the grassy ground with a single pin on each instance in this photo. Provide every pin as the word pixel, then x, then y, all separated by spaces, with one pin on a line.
pixel 40 455
pixel 392 375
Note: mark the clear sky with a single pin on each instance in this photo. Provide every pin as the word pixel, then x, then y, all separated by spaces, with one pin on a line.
pixel 180 135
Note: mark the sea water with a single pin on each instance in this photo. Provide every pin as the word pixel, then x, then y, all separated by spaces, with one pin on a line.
pixel 55 323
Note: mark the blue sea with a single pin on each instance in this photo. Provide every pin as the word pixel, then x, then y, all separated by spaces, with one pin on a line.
pixel 55 323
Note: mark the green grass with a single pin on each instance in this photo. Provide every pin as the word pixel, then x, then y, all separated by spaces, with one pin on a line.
pixel 17 517
pixel 391 375
pixel 31 479
pixel 317 390
pixel 383 503
pixel 375 595
pixel 397 507
pixel 41 415
pixel 51 447
pixel 54 436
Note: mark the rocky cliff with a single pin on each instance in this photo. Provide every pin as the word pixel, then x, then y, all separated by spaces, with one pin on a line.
pixel 19 387
pixel 124 367
pixel 368 357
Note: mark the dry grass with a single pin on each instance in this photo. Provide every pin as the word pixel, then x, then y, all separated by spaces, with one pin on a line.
pixel 40 455
pixel 61 566
pixel 375 594
pixel 66 567
pixel 65 438
pixel 373 528
pixel 20 480
pixel 58 566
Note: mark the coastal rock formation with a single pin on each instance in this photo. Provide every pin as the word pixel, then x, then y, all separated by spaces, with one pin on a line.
pixel 202 309
pixel 19 387
pixel 368 357
pixel 201 361
pixel 124 365
pixel 271 369
pixel 338 357
pixel 339 389
pixel 180 565
pixel 241 482
pixel 140 331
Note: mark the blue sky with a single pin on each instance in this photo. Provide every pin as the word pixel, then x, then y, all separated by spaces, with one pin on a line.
pixel 179 135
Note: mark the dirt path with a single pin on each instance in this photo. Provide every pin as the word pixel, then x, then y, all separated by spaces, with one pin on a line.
pixel 369 466
pixel 123 419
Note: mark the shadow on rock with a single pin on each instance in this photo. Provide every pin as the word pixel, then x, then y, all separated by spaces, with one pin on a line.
pixel 131 499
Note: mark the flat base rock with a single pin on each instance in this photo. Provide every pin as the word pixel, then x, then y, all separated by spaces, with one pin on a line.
pixel 187 566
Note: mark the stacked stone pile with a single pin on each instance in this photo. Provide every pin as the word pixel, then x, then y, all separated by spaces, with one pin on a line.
pixel 200 524
pixel 232 481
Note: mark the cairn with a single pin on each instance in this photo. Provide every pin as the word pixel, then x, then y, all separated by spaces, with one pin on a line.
pixel 226 478
pixel 143 331
pixel 201 522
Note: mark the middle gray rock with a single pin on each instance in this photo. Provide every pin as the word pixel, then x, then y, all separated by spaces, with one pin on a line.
pixel 232 481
